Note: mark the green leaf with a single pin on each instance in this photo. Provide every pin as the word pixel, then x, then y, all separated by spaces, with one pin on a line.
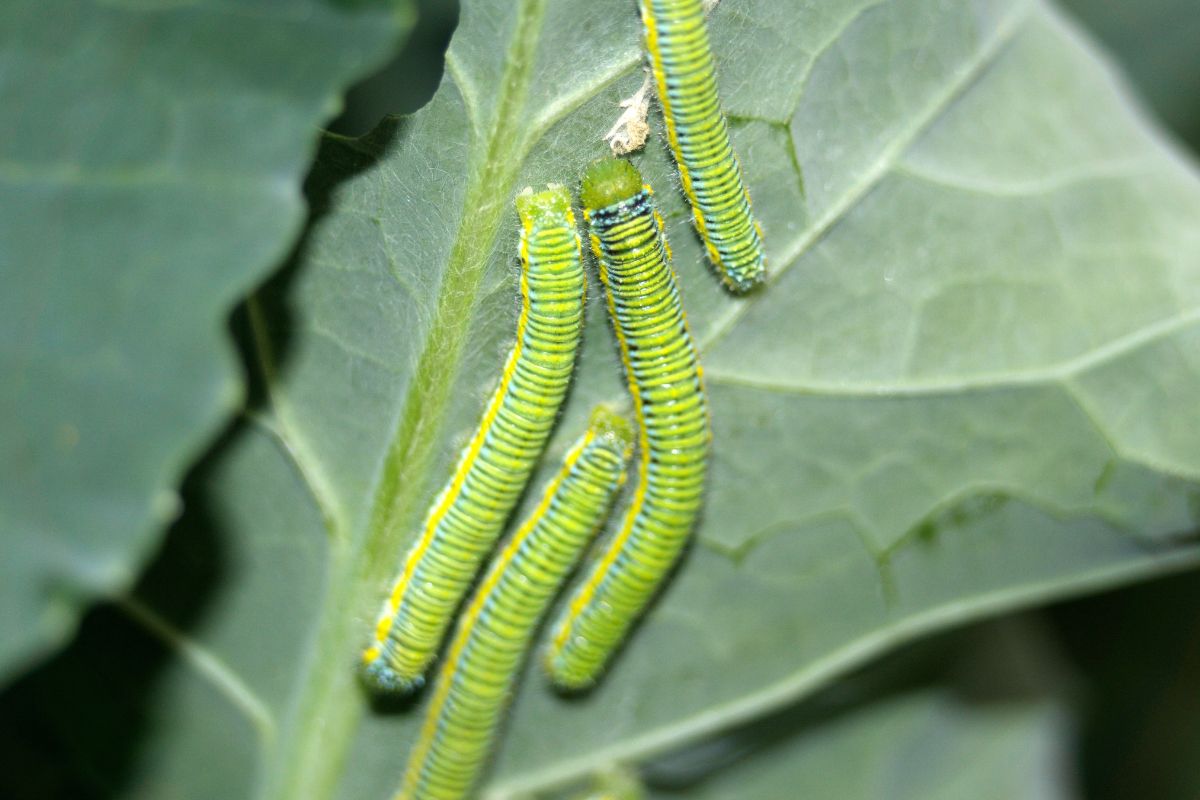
pixel 969 387
pixel 150 168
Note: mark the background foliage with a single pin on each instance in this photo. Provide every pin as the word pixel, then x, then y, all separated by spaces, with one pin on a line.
pixel 969 389
pixel 149 176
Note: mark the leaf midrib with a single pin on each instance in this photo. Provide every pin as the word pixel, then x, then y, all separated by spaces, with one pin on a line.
pixel 320 730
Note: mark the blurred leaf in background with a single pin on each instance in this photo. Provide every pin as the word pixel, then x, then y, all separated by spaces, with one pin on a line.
pixel 1137 652
pixel 1156 42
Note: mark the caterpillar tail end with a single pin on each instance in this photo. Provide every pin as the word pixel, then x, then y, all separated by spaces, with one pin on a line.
pixel 567 677
pixel 744 275
pixel 573 664
pixel 743 284
pixel 381 678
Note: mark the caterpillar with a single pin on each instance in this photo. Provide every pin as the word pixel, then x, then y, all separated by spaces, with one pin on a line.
pixel 494 631
pixel 664 377
pixel 681 61
pixel 466 518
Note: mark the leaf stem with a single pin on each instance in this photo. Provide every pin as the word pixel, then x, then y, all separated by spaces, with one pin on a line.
pixel 309 763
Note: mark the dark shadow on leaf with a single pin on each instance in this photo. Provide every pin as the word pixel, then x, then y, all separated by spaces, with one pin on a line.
pixel 262 326
pixel 74 729
pixel 408 81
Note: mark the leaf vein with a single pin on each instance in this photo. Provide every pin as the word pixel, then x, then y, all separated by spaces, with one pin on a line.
pixel 886 160
pixel 207 665
pixel 308 466
pixel 1058 373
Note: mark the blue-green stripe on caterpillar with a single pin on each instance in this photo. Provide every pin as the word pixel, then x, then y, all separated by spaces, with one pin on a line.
pixel 495 629
pixel 465 520
pixel 681 61
pixel 664 378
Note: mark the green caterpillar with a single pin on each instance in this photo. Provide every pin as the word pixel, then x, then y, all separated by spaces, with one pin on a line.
pixel 681 61
pixel 469 513
pixel 495 629
pixel 664 378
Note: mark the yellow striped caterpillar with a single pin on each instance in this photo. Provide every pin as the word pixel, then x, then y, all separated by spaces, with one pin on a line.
pixel 664 379
pixel 494 468
pixel 681 61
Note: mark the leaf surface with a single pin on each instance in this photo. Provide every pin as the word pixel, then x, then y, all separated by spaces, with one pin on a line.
pixel 969 386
